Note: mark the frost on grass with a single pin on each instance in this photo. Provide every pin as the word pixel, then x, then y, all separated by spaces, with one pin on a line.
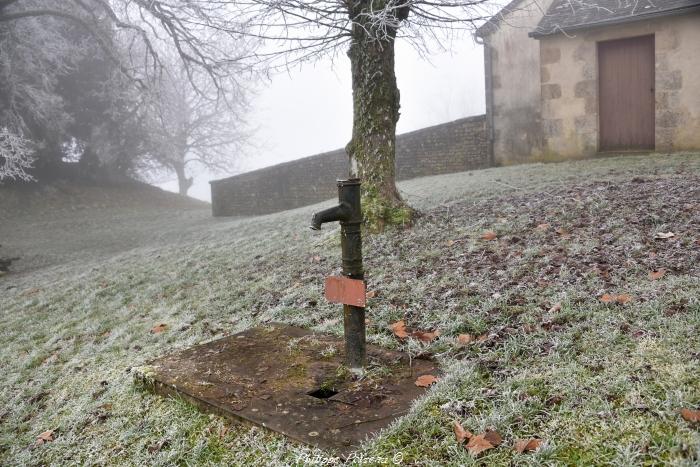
pixel 602 383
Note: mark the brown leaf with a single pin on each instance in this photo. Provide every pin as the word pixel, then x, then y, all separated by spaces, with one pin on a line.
pixel 464 339
pixel 493 437
pixel 664 235
pixel 489 235
pixel 371 294
pixel 425 336
pixel 690 415
pixel 556 308
pixel 45 437
pixel 478 444
pixel 563 232
pixel 450 242
pixel 158 328
pixel 399 329
pixel 315 259
pixel 527 445
pixel 542 227
pixel 656 275
pixel 425 381
pixel 460 433
pixel 621 299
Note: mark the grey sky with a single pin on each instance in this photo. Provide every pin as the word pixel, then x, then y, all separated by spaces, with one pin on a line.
pixel 309 110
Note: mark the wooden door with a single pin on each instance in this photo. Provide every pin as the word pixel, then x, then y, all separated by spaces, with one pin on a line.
pixel 626 94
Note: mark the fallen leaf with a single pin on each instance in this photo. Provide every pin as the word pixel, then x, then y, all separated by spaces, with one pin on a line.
pixel 460 433
pixel 464 339
pixel 399 329
pixel 425 336
pixel 45 437
pixel 478 444
pixel 563 232
pixel 656 275
pixel 542 227
pixel 315 259
pixel 621 299
pixel 690 415
pixel 450 242
pixel 158 328
pixel 489 235
pixel 664 235
pixel 483 338
pixel 527 445
pixel 425 381
pixel 371 294
pixel 493 437
pixel 556 308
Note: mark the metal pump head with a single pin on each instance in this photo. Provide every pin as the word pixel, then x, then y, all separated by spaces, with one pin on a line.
pixel 348 211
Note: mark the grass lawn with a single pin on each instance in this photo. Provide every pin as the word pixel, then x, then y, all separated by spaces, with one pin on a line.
pixel 600 383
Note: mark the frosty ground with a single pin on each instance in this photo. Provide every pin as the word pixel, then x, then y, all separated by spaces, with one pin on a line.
pixel 600 383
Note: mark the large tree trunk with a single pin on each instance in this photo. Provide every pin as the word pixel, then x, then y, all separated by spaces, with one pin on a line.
pixel 183 182
pixel 372 150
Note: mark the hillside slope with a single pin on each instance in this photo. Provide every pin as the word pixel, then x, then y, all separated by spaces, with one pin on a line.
pixel 601 383
pixel 68 221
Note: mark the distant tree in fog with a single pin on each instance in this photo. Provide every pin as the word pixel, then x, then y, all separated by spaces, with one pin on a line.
pixel 76 76
pixel 189 127
pixel 16 156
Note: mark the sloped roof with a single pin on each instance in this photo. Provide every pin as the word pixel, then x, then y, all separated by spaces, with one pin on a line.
pixel 491 25
pixel 571 15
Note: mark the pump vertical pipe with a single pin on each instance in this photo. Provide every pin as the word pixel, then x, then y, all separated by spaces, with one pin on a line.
pixel 349 213
pixel 351 244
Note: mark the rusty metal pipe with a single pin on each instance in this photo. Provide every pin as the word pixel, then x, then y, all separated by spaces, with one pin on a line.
pixel 349 213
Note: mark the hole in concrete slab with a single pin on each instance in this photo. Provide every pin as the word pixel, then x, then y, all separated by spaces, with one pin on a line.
pixel 323 393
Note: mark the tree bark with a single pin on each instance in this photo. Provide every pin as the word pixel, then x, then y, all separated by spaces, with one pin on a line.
pixel 183 182
pixel 372 149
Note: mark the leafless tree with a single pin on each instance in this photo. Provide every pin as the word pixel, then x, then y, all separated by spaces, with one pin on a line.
pixel 188 128
pixel 16 156
pixel 296 31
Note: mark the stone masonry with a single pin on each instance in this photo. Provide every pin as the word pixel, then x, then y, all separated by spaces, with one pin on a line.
pixel 450 147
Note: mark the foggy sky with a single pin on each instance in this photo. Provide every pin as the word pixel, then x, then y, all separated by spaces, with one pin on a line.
pixel 309 110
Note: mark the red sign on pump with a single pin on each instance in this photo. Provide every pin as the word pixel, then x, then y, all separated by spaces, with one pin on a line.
pixel 340 289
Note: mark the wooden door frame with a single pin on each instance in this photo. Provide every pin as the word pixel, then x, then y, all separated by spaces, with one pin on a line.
pixel 597 71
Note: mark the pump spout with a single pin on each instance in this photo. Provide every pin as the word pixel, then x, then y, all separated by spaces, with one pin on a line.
pixel 340 212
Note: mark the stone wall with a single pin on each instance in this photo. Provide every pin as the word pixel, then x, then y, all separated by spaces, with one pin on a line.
pixel 512 61
pixel 569 77
pixel 451 147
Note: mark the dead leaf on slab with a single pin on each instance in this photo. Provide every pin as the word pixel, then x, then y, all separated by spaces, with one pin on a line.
pixel 460 433
pixel 478 444
pixel 426 380
pixel 399 329
pixel 690 415
pixel 664 235
pixel 158 328
pixel 621 299
pixel 45 437
pixel 656 275
pixel 527 445
pixel 489 235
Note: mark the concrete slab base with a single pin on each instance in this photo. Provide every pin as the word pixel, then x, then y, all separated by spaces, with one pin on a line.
pixel 292 381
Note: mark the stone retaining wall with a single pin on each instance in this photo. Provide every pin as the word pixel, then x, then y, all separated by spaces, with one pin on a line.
pixel 450 147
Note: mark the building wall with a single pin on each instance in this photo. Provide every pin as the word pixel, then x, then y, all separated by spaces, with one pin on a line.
pixel 513 90
pixel 451 147
pixel 569 86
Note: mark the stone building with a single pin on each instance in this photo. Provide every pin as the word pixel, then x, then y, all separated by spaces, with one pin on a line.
pixel 568 79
